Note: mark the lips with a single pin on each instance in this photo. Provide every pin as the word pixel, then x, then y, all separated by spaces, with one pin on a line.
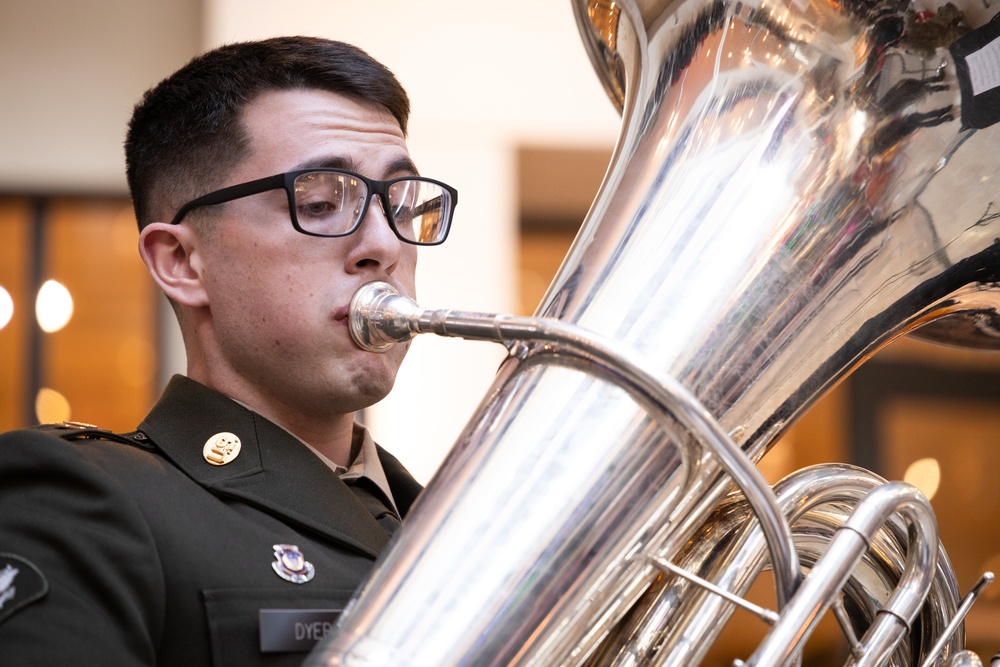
pixel 340 315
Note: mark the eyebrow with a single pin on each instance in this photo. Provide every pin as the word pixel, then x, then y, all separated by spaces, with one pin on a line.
pixel 400 165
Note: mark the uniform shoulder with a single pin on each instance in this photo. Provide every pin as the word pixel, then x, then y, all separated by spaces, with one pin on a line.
pixel 79 431
pixel 70 444
pixel 57 455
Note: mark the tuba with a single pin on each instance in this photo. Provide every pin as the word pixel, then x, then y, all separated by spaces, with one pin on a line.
pixel 796 184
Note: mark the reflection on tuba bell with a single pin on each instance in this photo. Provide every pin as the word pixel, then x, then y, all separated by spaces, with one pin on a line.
pixel 796 183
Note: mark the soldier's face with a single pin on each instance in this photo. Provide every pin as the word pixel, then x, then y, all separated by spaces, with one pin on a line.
pixel 278 299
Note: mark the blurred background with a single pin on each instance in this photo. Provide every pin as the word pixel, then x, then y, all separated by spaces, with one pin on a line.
pixel 506 108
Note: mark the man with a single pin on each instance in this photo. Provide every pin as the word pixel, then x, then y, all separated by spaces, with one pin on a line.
pixel 270 181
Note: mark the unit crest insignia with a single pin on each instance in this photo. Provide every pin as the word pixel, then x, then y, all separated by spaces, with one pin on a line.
pixel 291 565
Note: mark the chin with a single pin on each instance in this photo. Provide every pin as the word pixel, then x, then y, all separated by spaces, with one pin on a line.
pixel 371 380
pixel 372 388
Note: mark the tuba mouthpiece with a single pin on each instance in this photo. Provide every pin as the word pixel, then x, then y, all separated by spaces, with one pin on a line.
pixel 379 317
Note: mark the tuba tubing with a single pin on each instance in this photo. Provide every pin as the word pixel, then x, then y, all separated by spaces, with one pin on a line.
pixel 831 572
pixel 729 551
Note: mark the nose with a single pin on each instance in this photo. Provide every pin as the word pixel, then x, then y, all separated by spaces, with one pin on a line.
pixel 375 245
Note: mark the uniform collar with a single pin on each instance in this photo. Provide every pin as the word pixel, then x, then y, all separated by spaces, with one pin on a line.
pixel 273 470
pixel 366 463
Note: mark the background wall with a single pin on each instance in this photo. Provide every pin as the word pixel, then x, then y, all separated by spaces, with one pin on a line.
pixel 69 75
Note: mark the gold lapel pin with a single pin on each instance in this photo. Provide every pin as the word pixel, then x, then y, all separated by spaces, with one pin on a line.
pixel 221 448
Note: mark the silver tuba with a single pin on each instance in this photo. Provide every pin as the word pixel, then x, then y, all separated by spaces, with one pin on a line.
pixel 796 183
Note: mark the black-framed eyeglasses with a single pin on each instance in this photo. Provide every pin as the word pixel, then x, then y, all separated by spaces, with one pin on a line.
pixel 333 202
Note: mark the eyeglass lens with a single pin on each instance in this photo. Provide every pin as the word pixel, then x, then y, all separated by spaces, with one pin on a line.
pixel 331 203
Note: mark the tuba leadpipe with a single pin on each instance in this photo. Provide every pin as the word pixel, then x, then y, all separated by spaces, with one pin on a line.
pixel 794 186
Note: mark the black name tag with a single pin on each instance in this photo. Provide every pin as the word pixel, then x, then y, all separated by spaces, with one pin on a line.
pixel 294 630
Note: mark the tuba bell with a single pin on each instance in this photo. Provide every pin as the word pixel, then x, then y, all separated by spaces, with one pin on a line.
pixel 796 184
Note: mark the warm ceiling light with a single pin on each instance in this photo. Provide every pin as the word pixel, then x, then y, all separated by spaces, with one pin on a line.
pixel 925 474
pixel 53 307
pixel 6 307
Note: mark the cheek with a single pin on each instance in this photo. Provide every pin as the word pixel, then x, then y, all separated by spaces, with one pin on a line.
pixel 406 271
pixel 246 295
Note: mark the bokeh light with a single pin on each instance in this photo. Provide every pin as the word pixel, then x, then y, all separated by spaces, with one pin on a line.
pixel 51 406
pixel 925 474
pixel 6 307
pixel 53 307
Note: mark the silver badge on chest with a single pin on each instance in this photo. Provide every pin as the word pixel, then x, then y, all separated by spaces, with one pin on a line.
pixel 291 565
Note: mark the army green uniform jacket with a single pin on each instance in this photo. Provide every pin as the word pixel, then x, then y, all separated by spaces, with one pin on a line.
pixel 140 552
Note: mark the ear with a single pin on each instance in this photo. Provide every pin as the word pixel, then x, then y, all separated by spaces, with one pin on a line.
pixel 171 254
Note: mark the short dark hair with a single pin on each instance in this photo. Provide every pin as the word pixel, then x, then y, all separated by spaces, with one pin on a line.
pixel 186 132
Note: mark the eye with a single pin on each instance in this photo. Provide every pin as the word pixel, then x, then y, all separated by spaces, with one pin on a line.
pixel 318 208
pixel 319 195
